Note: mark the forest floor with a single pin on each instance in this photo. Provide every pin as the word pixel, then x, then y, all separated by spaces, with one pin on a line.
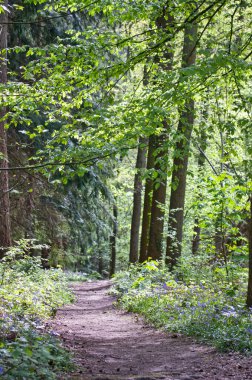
pixel 108 343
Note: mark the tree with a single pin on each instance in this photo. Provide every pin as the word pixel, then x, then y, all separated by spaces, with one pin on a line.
pixel 181 154
pixel 158 144
pixel 63 216
pixel 155 246
pixel 248 165
pixel 73 98
pixel 5 227
pixel 113 241
pixel 201 162
pixel 147 204
pixel 137 201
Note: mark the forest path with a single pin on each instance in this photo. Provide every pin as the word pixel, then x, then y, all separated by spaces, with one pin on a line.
pixel 111 344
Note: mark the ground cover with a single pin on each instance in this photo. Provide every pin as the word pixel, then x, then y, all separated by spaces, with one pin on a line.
pixel 207 306
pixel 29 296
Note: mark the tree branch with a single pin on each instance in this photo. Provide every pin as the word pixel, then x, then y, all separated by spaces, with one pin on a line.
pixel 67 163
pixel 45 19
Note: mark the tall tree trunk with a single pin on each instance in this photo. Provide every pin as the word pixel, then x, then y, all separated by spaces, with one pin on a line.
pixel 158 196
pixel 164 23
pixel 113 242
pixel 180 163
pixel 201 161
pixel 249 293
pixel 147 204
pixel 220 233
pixel 5 228
pixel 137 201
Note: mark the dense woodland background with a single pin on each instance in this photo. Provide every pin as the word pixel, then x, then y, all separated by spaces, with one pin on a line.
pixel 126 131
pixel 125 147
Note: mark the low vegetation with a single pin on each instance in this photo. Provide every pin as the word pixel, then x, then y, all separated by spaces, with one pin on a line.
pixel 81 276
pixel 29 295
pixel 194 300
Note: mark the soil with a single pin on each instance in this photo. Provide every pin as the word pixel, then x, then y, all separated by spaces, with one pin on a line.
pixel 108 344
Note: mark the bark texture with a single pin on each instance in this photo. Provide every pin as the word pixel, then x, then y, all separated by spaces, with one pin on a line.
pixel 5 227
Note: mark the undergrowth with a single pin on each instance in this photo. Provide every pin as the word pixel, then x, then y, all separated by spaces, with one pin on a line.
pixel 82 276
pixel 196 301
pixel 28 296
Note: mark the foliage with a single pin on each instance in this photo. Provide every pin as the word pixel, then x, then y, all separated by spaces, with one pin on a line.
pixel 76 95
pixel 69 208
pixel 32 354
pixel 29 295
pixel 209 307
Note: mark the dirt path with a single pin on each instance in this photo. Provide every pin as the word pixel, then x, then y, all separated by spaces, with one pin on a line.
pixel 111 344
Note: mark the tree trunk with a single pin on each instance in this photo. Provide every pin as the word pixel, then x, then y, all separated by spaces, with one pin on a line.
pixel 113 242
pixel 201 161
pixel 164 60
pixel 249 293
pixel 196 237
pixel 147 204
pixel 99 252
pixel 158 197
pixel 137 201
pixel 100 264
pixel 5 228
pixel 180 163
